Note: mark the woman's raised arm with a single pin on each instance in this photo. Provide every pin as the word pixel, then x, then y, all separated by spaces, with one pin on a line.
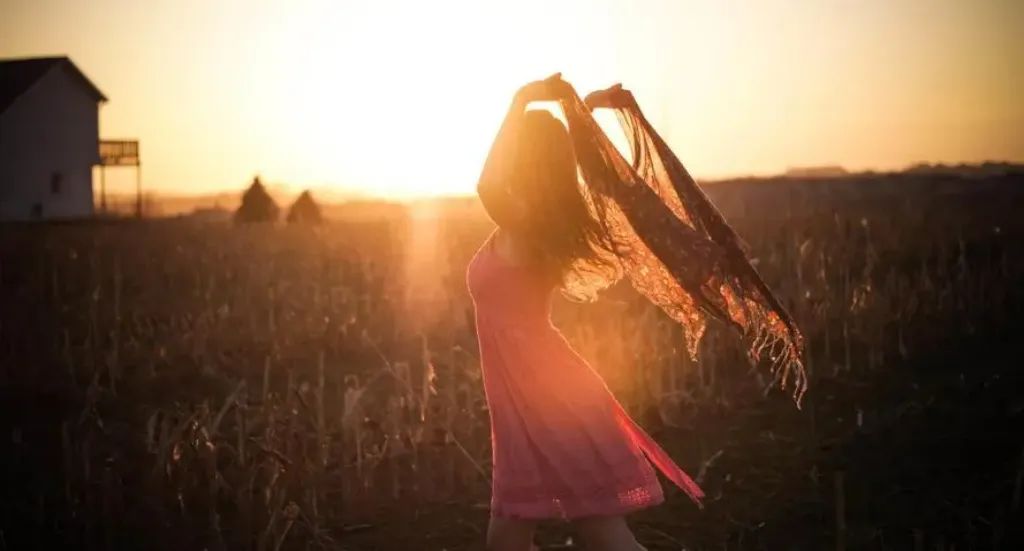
pixel 499 170
pixel 497 174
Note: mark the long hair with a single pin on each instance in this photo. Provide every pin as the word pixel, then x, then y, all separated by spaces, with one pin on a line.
pixel 561 235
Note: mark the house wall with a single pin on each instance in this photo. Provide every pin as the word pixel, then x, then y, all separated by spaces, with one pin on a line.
pixel 51 131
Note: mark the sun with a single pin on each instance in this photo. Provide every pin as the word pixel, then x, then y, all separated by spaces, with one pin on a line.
pixel 412 102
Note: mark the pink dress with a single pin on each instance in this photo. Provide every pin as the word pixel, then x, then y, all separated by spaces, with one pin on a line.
pixel 562 445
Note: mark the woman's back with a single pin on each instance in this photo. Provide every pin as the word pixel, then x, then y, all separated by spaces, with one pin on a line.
pixel 508 294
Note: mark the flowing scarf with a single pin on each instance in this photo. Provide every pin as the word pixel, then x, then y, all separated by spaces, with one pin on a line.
pixel 673 245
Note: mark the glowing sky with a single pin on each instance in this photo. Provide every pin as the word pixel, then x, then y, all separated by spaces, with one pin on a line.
pixel 396 98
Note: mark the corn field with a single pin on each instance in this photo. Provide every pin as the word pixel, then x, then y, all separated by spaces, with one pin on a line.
pixel 171 384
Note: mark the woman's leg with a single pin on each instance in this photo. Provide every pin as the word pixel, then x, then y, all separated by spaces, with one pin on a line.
pixel 607 534
pixel 510 534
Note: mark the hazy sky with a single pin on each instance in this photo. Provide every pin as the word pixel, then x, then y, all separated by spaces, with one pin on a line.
pixel 400 97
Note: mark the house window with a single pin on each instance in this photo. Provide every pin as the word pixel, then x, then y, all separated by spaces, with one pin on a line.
pixel 56 179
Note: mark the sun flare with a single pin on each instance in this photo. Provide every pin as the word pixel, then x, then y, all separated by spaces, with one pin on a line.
pixel 414 112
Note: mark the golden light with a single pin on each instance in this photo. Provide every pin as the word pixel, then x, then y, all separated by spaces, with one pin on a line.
pixel 417 93
pixel 401 98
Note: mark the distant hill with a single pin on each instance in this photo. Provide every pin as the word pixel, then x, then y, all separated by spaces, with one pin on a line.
pixel 816 172
pixel 982 170
pixel 921 185
pixel 826 172
pixel 832 185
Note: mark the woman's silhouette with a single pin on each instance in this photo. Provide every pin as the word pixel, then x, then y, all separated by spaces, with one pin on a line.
pixel 563 446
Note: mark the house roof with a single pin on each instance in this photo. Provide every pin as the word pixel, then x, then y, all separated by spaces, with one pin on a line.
pixel 18 75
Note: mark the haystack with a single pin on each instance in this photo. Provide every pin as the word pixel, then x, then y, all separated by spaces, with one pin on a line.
pixel 304 210
pixel 257 205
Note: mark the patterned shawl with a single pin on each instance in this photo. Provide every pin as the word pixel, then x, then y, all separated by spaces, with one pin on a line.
pixel 674 246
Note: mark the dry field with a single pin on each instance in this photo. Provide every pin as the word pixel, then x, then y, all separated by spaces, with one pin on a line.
pixel 180 385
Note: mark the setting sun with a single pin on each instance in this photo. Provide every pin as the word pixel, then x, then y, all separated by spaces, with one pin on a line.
pixel 413 111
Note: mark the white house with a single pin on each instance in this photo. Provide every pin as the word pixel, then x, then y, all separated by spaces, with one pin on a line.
pixel 49 139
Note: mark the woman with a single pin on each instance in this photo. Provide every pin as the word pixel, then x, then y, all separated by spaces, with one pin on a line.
pixel 563 447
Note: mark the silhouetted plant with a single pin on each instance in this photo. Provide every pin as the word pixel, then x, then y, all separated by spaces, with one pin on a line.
pixel 257 205
pixel 304 210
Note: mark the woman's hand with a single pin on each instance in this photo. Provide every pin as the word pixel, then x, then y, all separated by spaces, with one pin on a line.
pixel 612 97
pixel 552 88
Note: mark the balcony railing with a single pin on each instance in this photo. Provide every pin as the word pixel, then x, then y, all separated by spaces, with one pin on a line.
pixel 119 152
